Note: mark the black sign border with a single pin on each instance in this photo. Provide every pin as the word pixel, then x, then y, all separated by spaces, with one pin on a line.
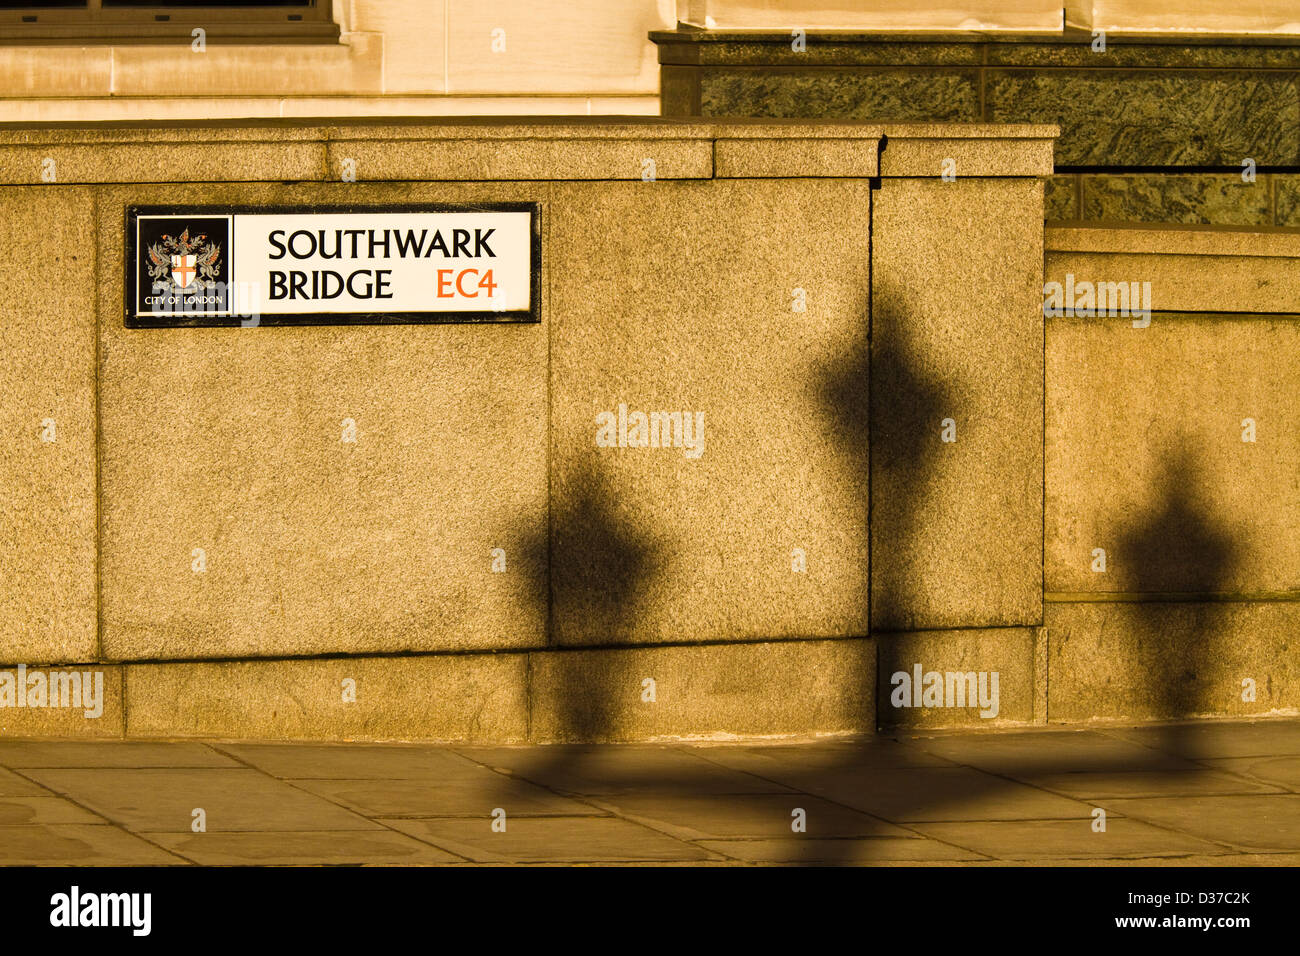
pixel 201 320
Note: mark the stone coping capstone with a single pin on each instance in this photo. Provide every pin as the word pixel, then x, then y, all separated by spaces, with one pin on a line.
pixel 499 149
pixel 494 127
pixel 1173 240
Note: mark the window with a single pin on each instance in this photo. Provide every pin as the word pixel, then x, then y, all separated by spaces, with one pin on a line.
pixel 166 21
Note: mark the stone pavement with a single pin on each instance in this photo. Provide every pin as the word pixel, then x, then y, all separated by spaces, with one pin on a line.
pixel 1213 793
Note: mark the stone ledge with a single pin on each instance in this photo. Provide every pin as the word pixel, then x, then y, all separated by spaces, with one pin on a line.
pixel 1009 651
pixel 524 159
pixel 68 721
pixel 1071 47
pixel 918 155
pixel 750 689
pixel 779 688
pixel 438 697
pixel 1190 268
pixel 508 148
pixel 783 158
pixel 159 163
pixel 1171 660
pixel 1173 240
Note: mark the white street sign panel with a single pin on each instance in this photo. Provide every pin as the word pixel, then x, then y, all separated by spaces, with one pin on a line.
pixel 202 266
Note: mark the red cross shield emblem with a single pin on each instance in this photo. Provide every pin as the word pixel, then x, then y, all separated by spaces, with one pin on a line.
pixel 183 270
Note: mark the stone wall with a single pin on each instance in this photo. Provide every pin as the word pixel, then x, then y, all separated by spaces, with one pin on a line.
pixel 905 463
pixel 1172 570
pixel 788 281
pixel 1152 130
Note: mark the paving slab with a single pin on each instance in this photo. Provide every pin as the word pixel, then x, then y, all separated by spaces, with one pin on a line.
pixel 49 809
pixel 753 815
pixel 551 839
pixel 13 785
pixel 1236 859
pixel 932 793
pixel 109 753
pixel 972 798
pixel 419 798
pixel 78 845
pixel 765 760
pixel 355 761
pixel 858 852
pixel 1253 822
pixel 163 800
pixel 318 848
pixel 1068 839
pixel 1227 738
pixel 1279 771
pixel 1050 751
pixel 620 769
pixel 1143 783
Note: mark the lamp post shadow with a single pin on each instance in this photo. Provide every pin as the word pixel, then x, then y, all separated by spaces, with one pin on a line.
pixel 578 696
pixel 885 411
pixel 1178 556
pixel 1175 551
